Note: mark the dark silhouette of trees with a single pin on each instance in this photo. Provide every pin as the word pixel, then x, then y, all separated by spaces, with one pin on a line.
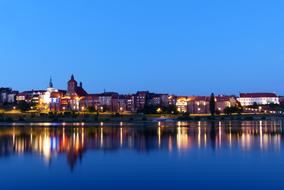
pixel 153 109
pixel 91 109
pixel 212 104
pixel 24 106
pixel 232 110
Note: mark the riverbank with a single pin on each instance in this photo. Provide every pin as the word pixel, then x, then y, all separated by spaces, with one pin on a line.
pixel 109 117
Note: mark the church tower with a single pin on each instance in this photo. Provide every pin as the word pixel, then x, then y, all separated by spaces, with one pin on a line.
pixel 72 86
pixel 50 83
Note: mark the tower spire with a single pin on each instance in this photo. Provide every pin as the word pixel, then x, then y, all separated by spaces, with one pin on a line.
pixel 50 83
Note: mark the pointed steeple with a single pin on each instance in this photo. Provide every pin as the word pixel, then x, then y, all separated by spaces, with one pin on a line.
pixel 50 83
pixel 72 77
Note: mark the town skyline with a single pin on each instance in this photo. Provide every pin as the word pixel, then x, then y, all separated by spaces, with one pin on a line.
pixel 149 94
pixel 76 98
pixel 88 88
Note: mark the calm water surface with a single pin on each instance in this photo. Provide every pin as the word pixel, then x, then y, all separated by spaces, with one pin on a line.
pixel 221 155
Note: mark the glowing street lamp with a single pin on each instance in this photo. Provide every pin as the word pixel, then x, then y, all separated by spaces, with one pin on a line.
pixel 159 110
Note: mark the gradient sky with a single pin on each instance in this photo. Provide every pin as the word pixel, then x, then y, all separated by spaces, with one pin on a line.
pixel 184 47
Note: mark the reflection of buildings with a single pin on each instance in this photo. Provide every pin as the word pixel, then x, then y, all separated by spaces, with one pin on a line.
pixel 74 141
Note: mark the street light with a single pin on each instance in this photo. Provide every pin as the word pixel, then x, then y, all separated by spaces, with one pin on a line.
pixel 159 110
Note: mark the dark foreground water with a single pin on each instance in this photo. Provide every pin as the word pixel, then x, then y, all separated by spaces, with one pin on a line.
pixel 227 155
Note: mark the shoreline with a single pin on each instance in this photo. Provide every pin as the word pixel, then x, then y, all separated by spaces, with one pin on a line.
pixel 131 118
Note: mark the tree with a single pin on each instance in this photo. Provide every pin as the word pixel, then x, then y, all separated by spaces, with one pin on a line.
pixel 91 109
pixel 231 110
pixel 171 109
pixel 212 104
pixel 24 106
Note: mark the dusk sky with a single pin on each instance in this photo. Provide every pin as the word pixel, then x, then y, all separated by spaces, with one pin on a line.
pixel 183 47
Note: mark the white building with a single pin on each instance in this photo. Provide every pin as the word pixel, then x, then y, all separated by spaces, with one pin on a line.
pixel 46 97
pixel 248 99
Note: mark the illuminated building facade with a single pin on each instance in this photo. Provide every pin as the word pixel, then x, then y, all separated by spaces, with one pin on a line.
pixel 75 98
pixel 182 104
pixel 74 95
pixel 201 104
pixel 32 96
pixel 248 99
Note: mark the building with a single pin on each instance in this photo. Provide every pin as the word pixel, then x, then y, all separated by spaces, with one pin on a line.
pixel 201 104
pixel 7 95
pixel 56 100
pixel 126 103
pixel 198 104
pixel 45 99
pixel 158 99
pixel 281 100
pixel 140 99
pixel 248 99
pixel 108 101
pixel 172 100
pixel 32 96
pixel 182 104
pixel 223 102
pixel 74 95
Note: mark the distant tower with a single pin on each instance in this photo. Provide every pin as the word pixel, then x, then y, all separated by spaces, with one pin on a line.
pixel 50 83
pixel 72 85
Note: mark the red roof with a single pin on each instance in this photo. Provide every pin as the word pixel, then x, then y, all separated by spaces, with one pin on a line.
pixel 258 95
pixel 199 98
pixel 22 94
pixel 56 95
pixel 223 98
pixel 81 92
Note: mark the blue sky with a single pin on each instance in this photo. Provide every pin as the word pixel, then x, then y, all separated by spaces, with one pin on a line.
pixel 183 47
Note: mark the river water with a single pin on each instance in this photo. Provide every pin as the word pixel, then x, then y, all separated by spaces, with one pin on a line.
pixel 182 155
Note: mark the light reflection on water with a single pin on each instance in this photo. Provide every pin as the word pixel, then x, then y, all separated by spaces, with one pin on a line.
pixel 74 141
pixel 201 155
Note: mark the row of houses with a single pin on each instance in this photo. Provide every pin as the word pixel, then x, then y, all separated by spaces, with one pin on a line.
pixel 75 98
